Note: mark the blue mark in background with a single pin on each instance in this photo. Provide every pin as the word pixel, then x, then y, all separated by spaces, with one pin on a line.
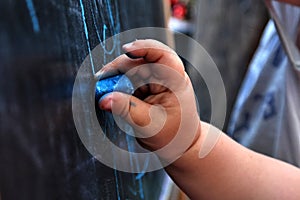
pixel 138 178
pixel 86 35
pixel 278 58
pixel 106 22
pixel 117 184
pixel 104 40
pixel 113 29
pixel 269 101
pixel 34 19
pixel 244 124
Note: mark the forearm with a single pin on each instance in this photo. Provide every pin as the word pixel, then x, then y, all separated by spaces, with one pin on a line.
pixel 231 171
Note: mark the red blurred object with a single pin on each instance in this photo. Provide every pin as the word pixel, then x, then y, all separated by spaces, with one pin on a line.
pixel 179 11
pixel 173 2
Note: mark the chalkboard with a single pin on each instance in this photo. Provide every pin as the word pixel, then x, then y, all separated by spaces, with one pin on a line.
pixel 42 45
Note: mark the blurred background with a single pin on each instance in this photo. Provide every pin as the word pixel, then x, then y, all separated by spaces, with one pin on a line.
pixel 42 45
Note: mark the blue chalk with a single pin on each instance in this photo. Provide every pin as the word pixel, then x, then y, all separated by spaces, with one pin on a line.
pixel 119 83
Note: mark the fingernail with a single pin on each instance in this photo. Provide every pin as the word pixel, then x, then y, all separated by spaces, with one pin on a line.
pixel 131 56
pixel 128 45
pixel 105 103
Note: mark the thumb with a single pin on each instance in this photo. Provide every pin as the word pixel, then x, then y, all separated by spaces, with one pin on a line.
pixel 145 118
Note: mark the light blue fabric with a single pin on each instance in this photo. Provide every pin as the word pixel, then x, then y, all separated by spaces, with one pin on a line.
pixel 266 114
pixel 257 115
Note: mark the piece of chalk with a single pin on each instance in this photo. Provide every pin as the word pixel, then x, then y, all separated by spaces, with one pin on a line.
pixel 119 83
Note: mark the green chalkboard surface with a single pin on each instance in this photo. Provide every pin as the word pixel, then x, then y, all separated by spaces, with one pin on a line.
pixel 42 45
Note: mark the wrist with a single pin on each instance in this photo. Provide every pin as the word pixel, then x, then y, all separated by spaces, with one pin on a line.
pixel 206 138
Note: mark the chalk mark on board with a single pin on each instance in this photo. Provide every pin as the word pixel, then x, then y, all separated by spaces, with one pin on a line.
pixel 139 176
pixel 117 184
pixel 114 29
pixel 110 25
pixel 86 35
pixel 34 19
pixel 112 21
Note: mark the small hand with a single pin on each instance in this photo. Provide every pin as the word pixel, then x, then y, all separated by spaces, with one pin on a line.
pixel 163 105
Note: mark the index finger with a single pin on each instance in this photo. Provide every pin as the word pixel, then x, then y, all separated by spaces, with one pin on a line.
pixel 121 64
pixel 153 51
pixel 141 52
